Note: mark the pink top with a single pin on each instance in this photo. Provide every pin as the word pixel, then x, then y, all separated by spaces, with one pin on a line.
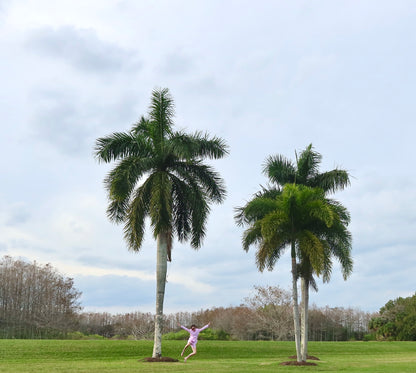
pixel 193 338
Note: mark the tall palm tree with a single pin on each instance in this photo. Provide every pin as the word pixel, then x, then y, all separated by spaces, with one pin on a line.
pixel 305 171
pixel 160 174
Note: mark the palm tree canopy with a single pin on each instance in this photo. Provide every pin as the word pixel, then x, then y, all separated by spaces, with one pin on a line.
pixel 305 171
pixel 299 215
pixel 160 174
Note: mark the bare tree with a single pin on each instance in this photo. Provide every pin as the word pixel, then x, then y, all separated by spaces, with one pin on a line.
pixel 35 301
pixel 273 312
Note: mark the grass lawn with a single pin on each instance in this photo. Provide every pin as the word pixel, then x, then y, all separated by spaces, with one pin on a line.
pixel 213 356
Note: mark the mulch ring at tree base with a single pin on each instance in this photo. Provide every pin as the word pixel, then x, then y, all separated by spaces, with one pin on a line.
pixel 300 362
pixel 163 359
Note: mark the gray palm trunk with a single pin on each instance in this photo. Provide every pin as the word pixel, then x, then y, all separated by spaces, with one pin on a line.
pixel 161 270
pixel 295 305
pixel 304 284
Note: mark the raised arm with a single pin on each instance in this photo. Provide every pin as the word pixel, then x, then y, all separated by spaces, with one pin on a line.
pixel 184 328
pixel 206 326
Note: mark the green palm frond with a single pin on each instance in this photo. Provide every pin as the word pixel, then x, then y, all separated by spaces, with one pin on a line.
pixel 320 210
pixel 307 165
pixel 207 179
pixel 252 236
pixel 120 183
pixel 327 268
pixel 181 208
pixel 312 247
pixel 267 255
pixel 199 218
pixel 161 113
pixel 258 208
pixel 198 146
pixel 341 211
pixel 120 145
pixel 280 170
pixel 122 179
pixel 160 210
pixel 331 181
pixel 190 210
pixel 268 192
pixel 134 226
pixel 142 129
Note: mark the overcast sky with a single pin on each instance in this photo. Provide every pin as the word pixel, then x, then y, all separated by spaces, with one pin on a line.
pixel 270 77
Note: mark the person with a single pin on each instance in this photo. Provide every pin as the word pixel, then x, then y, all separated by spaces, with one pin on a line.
pixel 193 338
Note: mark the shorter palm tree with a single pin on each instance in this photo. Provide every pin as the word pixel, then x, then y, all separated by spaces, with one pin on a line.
pixel 297 217
pixel 338 243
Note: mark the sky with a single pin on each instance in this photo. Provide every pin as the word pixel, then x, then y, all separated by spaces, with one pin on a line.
pixel 269 77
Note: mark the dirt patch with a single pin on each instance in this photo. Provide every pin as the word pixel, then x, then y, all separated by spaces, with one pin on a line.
pixel 308 358
pixel 163 359
pixel 297 363
pixel 300 362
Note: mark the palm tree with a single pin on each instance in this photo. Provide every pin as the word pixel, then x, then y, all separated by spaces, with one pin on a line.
pixel 338 245
pixel 160 174
pixel 298 217
pixel 305 171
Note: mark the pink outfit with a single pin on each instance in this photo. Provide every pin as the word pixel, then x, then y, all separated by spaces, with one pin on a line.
pixel 193 338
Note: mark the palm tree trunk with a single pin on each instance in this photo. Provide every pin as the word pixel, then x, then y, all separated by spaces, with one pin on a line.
pixel 161 269
pixel 295 305
pixel 304 284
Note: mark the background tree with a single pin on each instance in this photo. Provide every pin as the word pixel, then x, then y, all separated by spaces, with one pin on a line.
pixel 160 174
pixel 397 320
pixel 272 312
pixel 36 301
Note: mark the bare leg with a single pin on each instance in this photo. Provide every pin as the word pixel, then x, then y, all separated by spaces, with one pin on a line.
pixel 192 353
pixel 184 349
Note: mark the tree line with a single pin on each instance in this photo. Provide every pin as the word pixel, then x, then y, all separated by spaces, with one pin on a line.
pixel 36 301
pixel 265 315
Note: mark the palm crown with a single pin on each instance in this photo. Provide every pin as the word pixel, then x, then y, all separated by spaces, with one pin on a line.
pixel 305 171
pixel 160 174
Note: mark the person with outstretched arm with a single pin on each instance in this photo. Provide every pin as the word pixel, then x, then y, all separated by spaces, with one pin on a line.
pixel 193 338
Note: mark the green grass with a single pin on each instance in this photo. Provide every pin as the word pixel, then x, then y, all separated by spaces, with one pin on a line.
pixel 213 356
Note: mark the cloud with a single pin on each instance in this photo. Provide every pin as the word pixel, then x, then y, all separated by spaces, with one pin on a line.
pixel 105 291
pixel 177 63
pixel 62 121
pixel 70 122
pixel 17 214
pixel 83 50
